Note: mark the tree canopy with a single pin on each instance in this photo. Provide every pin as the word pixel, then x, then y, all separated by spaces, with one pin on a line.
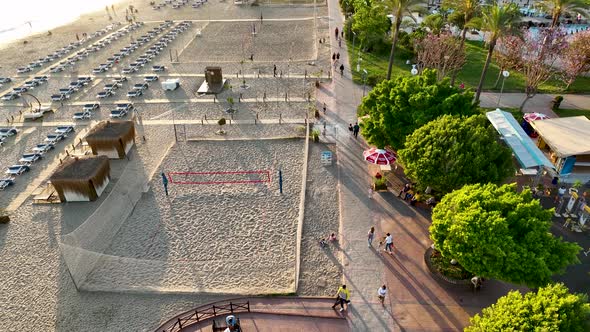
pixel 371 25
pixel 495 232
pixel 552 308
pixel 452 151
pixel 397 107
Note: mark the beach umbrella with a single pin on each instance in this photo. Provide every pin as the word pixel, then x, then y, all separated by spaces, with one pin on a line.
pixel 528 117
pixel 379 156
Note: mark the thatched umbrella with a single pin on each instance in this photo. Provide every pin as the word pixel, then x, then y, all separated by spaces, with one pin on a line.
pixel 81 179
pixel 112 139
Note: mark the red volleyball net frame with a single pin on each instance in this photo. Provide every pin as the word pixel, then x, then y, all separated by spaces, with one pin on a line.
pixel 263 176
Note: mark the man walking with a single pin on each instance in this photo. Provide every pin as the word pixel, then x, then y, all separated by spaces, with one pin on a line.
pixel 381 292
pixel 356 129
pixel 274 71
pixel 165 183
pixel 342 70
pixel 389 243
pixel 342 296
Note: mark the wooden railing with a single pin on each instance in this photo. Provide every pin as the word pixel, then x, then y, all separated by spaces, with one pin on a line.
pixel 201 314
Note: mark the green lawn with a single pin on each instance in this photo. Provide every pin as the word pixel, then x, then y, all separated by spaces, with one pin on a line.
pixel 569 112
pixel 376 66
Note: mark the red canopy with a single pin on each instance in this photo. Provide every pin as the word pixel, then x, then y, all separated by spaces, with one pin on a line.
pixel 379 156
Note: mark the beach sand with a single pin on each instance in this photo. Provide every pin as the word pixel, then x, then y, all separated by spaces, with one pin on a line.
pixel 38 292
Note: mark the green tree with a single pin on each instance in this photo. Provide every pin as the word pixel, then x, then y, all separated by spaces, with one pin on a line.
pixel 398 9
pixel 395 108
pixel 435 23
pixel 371 25
pixel 464 11
pixel 552 308
pixel 452 151
pixel 498 21
pixel 559 7
pixel 495 232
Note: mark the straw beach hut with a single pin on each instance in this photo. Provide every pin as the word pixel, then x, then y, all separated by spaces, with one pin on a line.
pixel 81 179
pixel 112 139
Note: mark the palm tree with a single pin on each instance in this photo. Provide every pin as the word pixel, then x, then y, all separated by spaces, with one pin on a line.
pixel 559 7
pixel 399 8
pixel 468 9
pixel 498 21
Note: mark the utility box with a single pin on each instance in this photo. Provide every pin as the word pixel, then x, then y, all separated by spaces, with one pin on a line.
pixel 214 79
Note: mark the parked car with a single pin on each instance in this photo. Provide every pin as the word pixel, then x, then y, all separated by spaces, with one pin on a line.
pixel 125 106
pixel 7 132
pixel 43 148
pixel 31 84
pixel 67 91
pixel 117 114
pixel 99 70
pixel 56 69
pixel 134 93
pixel 82 115
pixel 129 70
pixel 30 157
pixel 20 90
pixel 4 80
pixel 91 107
pixel 10 96
pixel 113 86
pixel 140 86
pixel 64 129
pixel 17 169
pixel 76 85
pixel 120 80
pixel 22 70
pixel 151 78
pixel 40 79
pixel 85 79
pixel 54 138
pixel 59 97
pixel 104 94
pixel 158 68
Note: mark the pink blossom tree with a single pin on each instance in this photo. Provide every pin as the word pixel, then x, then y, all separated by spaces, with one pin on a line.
pixel 536 56
pixel 442 52
pixel 575 58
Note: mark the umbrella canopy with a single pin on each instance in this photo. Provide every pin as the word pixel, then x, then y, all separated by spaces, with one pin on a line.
pixel 379 156
pixel 528 117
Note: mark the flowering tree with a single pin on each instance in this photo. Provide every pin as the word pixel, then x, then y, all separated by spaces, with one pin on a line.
pixel 535 56
pixel 507 54
pixel 576 58
pixel 442 52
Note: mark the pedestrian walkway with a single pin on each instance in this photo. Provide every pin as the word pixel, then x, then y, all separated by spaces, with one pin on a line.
pixel 415 301
pixel 540 103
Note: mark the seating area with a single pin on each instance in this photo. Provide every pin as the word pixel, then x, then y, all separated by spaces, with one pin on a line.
pixel 34 156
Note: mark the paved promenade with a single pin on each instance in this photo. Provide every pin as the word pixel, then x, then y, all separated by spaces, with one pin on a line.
pixel 415 302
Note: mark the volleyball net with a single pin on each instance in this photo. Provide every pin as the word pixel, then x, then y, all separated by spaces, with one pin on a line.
pixel 211 178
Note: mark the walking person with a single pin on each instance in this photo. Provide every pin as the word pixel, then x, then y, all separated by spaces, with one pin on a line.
pixel 339 42
pixel 338 56
pixel 333 57
pixel 389 243
pixel 371 236
pixel 342 297
pixel 274 71
pixel 165 183
pixel 341 70
pixel 370 192
pixel 381 292
pixel 336 32
pixel 560 194
pixel 356 129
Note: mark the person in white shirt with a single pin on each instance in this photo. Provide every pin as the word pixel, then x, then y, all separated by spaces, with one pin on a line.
pixel 381 292
pixel 389 243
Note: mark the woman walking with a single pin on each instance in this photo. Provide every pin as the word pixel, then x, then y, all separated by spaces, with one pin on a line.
pixel 371 236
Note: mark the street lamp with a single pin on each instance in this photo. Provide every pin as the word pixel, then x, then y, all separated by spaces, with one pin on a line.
pixel 505 75
pixel 414 70
pixel 365 74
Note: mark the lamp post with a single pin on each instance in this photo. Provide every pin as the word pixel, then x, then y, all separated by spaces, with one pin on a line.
pixel 365 74
pixel 414 70
pixel 505 75
pixel 353 39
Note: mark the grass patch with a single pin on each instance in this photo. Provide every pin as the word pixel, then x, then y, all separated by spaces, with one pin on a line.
pixel 572 112
pixel 376 66
pixel 444 266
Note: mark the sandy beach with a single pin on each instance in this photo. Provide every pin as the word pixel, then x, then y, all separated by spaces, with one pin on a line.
pixel 198 233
